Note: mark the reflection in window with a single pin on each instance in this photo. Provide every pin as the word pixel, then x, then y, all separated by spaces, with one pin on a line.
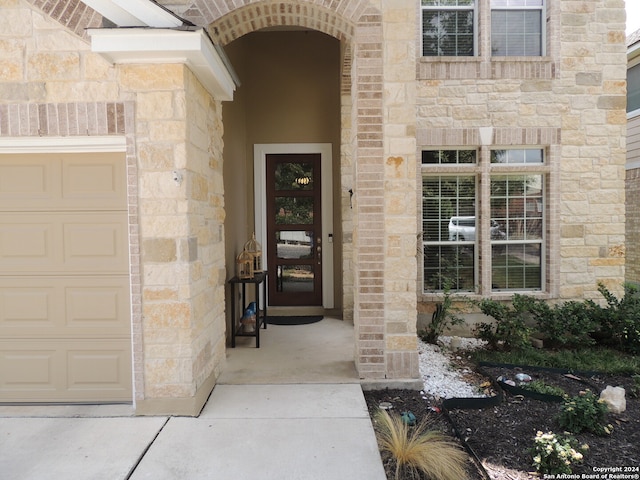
pixel 517 207
pixel 449 267
pixel 517 156
pixel 294 176
pixel 294 278
pixel 457 223
pixel 448 28
pixel 444 157
pixel 294 244
pixel 516 267
pixel 448 226
pixel 294 210
pixel 517 28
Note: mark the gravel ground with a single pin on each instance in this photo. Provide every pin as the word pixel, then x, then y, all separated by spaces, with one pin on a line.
pixel 441 378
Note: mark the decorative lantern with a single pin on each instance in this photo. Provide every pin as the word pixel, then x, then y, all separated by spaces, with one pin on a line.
pixel 255 249
pixel 244 265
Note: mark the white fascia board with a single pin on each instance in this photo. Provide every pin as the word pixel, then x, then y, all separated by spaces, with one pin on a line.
pixel 135 13
pixel 63 144
pixel 155 46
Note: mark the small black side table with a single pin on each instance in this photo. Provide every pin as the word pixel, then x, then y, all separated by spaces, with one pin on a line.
pixel 236 327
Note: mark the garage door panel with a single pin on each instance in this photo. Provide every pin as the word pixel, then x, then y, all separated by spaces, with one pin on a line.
pixel 27 368
pixel 54 370
pixel 27 243
pixel 98 368
pixel 65 311
pixel 29 183
pixel 100 182
pixel 99 305
pixel 40 243
pixel 64 306
pixel 95 243
pixel 31 308
pixel 63 181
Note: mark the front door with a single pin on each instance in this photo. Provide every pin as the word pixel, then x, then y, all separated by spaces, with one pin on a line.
pixel 294 229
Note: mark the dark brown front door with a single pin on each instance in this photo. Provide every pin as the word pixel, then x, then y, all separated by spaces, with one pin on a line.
pixel 294 235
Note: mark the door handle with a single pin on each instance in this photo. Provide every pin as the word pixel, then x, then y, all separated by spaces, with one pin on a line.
pixel 319 254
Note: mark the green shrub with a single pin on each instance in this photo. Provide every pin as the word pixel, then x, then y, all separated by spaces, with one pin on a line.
pixel 539 386
pixel 620 321
pixel 510 331
pixel 584 412
pixel 441 319
pixel 555 454
pixel 566 325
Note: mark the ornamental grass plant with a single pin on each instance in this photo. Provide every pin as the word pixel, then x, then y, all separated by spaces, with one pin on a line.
pixel 418 450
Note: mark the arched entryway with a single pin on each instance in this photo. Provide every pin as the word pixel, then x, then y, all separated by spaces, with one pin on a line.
pixel 284 123
pixel 352 31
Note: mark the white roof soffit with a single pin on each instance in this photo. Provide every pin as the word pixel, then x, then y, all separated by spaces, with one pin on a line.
pixel 194 48
pixel 135 13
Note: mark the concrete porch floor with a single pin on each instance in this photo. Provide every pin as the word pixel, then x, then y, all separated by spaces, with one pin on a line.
pixel 321 352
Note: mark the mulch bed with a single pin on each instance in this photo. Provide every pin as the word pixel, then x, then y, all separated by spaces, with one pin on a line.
pixel 502 435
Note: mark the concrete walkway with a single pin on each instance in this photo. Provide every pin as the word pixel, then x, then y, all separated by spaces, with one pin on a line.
pixel 296 432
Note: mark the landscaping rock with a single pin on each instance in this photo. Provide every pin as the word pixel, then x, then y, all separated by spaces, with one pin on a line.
pixel 614 398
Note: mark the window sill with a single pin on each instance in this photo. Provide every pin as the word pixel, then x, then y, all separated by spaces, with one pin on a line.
pixel 489 68
pixel 522 59
pixel 472 296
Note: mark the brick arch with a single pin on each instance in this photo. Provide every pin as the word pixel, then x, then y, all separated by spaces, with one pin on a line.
pixel 256 16
pixel 205 12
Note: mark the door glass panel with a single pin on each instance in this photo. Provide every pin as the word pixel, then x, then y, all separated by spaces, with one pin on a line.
pixel 294 210
pixel 295 278
pixel 294 176
pixel 294 244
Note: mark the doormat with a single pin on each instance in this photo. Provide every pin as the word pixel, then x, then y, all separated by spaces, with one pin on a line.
pixel 293 320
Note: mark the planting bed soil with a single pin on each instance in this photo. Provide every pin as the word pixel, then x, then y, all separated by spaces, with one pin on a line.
pixel 502 435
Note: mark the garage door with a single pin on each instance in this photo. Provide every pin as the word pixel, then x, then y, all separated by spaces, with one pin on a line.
pixel 65 330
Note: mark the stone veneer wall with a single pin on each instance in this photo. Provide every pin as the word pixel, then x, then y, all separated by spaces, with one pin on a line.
pixel 53 85
pixel 571 103
pixel 591 86
pixel 179 129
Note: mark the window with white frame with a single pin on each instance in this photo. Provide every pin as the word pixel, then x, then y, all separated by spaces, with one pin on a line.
pixel 517 28
pixel 513 225
pixel 633 89
pixel 448 28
